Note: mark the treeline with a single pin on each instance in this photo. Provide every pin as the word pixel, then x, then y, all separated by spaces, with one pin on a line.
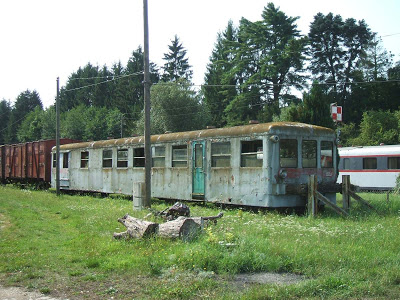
pixel 263 70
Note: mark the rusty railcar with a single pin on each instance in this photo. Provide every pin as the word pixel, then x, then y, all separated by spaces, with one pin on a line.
pixel 29 162
pixel 259 165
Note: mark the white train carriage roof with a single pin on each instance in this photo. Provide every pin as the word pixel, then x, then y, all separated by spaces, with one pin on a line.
pixel 384 150
pixel 245 130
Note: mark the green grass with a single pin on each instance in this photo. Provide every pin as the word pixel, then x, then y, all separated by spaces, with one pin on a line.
pixel 63 247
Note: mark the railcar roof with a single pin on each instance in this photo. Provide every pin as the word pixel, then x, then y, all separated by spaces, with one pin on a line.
pixel 370 150
pixel 245 130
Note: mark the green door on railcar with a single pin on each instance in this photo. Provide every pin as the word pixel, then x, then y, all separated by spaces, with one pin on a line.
pixel 198 154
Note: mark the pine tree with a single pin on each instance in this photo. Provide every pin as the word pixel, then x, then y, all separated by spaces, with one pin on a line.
pixel 337 48
pixel 268 62
pixel 177 65
pixel 25 103
pixel 219 88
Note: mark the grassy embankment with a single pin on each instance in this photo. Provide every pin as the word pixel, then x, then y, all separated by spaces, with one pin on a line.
pixel 64 246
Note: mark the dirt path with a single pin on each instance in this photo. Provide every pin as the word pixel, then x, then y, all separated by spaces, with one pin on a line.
pixel 16 293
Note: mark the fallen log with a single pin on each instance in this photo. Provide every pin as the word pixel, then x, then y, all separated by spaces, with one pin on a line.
pixel 183 228
pixel 136 228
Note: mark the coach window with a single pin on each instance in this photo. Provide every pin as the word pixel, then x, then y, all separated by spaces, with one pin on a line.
pixel 309 154
pixel 65 160
pixel 369 163
pixel 122 158
pixel 251 154
pixel 107 158
pixel 393 162
pixel 158 156
pixel 179 156
pixel 138 158
pixel 346 164
pixel 288 153
pixel 221 155
pixel 326 154
pixel 54 160
pixel 84 159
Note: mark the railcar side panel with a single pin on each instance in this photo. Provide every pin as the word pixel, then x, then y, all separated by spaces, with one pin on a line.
pixel 253 165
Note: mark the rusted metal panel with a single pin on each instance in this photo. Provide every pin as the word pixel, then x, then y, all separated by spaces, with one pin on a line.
pixel 245 130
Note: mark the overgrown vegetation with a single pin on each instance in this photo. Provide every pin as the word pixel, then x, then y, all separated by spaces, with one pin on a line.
pixel 64 246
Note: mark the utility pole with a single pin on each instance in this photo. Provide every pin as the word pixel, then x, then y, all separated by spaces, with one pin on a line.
pixel 146 83
pixel 58 138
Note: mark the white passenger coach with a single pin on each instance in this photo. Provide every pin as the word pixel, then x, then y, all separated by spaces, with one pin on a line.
pixel 370 167
pixel 259 165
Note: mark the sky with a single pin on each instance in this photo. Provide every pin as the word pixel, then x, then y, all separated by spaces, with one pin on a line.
pixel 44 39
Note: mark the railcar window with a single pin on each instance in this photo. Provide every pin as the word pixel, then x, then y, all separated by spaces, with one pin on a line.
pixel 369 163
pixel 221 155
pixel 65 160
pixel 84 159
pixel 138 158
pixel 158 156
pixel 179 156
pixel 198 163
pixel 54 160
pixel 251 154
pixel 393 162
pixel 288 153
pixel 326 154
pixel 346 164
pixel 107 158
pixel 309 154
pixel 122 158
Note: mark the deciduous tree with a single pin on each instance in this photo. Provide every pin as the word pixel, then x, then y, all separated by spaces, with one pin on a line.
pixel 175 107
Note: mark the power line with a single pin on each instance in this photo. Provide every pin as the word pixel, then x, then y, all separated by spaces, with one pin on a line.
pixel 98 83
pixel 106 77
pixel 390 34
pixel 260 84
pixel 9 125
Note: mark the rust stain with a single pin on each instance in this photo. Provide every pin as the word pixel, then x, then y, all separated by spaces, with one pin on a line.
pixel 266 128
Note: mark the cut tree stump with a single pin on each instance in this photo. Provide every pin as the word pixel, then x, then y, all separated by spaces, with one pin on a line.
pixel 182 228
pixel 136 228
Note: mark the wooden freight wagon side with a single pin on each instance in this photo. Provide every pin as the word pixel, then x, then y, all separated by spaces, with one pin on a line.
pixel 2 163
pixel 14 161
pixel 30 161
